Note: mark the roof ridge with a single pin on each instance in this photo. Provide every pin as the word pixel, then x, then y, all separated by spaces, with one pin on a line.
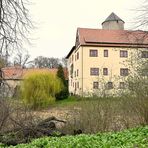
pixel 89 28
pixel 112 30
pixel 113 17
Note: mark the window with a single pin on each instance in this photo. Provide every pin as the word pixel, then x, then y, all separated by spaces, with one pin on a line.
pixel 94 71
pixel 123 53
pixel 93 53
pixel 105 71
pixel 105 53
pixel 77 84
pixel 123 71
pixel 95 85
pixel 77 72
pixel 122 85
pixel 144 54
pixel 110 85
pixel 77 55
pixel 71 71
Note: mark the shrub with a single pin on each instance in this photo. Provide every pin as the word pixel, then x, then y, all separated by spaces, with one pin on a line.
pixel 63 94
pixel 91 116
pixel 94 115
pixel 38 89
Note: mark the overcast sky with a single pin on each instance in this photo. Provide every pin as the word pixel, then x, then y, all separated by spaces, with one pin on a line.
pixel 56 22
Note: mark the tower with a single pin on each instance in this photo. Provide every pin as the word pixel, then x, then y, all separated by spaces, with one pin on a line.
pixel 113 22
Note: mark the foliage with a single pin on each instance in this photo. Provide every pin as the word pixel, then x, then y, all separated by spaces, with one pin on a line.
pixel 64 92
pixel 136 137
pixel 69 102
pixel 60 74
pixel 137 80
pixel 39 89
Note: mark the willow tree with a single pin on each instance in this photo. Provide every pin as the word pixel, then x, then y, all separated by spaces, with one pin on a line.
pixel 39 89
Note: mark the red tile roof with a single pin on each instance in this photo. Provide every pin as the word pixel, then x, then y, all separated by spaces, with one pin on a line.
pixel 12 72
pixel 111 38
pixel 17 73
pixel 121 37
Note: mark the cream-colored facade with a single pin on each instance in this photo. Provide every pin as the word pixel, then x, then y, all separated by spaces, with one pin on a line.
pixel 110 60
pixel 81 81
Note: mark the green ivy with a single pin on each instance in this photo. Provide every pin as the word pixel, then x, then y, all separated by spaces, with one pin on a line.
pixel 137 137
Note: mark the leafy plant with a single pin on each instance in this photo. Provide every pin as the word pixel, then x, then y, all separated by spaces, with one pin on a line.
pixel 63 94
pixel 39 88
pixel 137 137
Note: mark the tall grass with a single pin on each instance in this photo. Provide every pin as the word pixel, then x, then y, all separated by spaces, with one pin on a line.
pixel 94 115
pixel 38 89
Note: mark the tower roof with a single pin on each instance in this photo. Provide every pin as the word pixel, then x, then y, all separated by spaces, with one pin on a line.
pixel 113 17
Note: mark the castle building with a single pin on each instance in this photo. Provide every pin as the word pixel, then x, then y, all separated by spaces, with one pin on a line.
pixel 99 57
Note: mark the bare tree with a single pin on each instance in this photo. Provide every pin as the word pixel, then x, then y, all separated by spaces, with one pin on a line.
pixel 53 62
pixel 64 62
pixel 22 59
pixel 45 62
pixel 14 27
pixel 2 62
pixel 40 62
pixel 14 24
pixel 141 19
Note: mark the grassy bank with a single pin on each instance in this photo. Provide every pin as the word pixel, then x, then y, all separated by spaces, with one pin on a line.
pixel 88 115
pixel 136 137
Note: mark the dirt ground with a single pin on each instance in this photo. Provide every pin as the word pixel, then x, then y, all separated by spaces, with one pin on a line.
pixel 60 113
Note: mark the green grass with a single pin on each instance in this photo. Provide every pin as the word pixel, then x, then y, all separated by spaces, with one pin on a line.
pixel 131 138
pixel 74 100
pixel 70 101
pixel 77 101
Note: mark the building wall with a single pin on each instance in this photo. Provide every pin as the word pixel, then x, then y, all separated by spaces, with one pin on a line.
pixel 113 25
pixel 13 83
pixel 9 87
pixel 75 78
pixel 113 62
